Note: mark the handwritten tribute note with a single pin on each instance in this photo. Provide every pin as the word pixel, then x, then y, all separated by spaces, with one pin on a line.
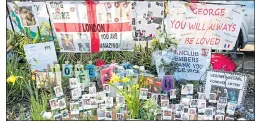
pixel 40 55
pixel 208 25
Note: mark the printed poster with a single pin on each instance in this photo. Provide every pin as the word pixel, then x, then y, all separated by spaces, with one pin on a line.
pixel 206 25
pixel 77 24
pixel 232 84
pixel 39 55
pixel 147 17
pixel 191 62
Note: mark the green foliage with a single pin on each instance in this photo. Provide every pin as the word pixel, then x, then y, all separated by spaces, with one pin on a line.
pixel 22 114
pixel 150 109
pixel 38 102
pixel 17 92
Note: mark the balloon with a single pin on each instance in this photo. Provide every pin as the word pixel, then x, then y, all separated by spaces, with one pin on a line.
pixel 219 62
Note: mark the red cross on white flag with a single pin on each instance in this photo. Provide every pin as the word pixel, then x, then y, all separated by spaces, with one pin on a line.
pixel 106 26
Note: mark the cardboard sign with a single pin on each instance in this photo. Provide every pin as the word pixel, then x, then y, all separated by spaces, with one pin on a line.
pixel 39 55
pixel 191 62
pixel 147 17
pixel 91 69
pixel 222 82
pixel 67 70
pixel 77 24
pixel 210 25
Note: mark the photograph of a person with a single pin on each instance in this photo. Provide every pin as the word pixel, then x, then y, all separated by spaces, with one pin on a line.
pixel 193 103
pixel 179 107
pixel 177 115
pixel 53 104
pixel 143 93
pixel 163 96
pixel 58 117
pixel 185 102
pixel 67 42
pixel 184 90
pixel 65 113
pixel 233 95
pixel 108 115
pixel 164 104
pixel 106 88
pixel 84 47
pixel 190 88
pixel 27 16
pixel 73 83
pixel 76 93
pixel 62 103
pixel 92 90
pixel 172 93
pixel 208 111
pixel 185 116
pixel 58 91
pixel 223 100
pixel 93 103
pixel 109 102
pixel 212 97
pixel 219 117
pixel 202 96
pixel 192 111
pixel 167 114
pixel 120 116
pixel 74 108
pixel 101 114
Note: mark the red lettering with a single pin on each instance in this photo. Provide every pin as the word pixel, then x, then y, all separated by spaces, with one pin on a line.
pixel 222 12
pixel 233 27
pixel 192 26
pixel 172 22
pixel 217 41
pixel 225 27
pixel 217 12
pixel 229 26
pixel 211 12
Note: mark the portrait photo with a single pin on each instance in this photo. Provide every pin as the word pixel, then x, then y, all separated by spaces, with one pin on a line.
pixel 67 42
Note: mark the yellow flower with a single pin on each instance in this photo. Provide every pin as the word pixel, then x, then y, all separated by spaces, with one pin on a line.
pixel 12 79
pixel 115 78
pixel 33 77
pixel 155 41
pixel 125 80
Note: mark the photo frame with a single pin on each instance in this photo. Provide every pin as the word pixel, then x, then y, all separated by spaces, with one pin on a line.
pixel 65 114
pixel 58 91
pixel 54 104
pixel 167 114
pixel 74 108
pixel 73 83
pixel 143 93
pixel 62 103
pixel 108 115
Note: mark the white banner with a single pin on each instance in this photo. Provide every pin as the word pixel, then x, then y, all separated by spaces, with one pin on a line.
pixel 192 62
pixel 92 27
pixel 147 17
pixel 216 82
pixel 212 25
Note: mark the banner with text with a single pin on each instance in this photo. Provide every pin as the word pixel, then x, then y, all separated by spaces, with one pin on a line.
pixel 92 26
pixel 191 62
pixel 231 85
pixel 213 25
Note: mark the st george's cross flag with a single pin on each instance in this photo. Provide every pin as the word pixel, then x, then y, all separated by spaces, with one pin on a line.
pixel 90 26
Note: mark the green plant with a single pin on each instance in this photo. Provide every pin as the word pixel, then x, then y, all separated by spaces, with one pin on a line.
pixel 38 102
pixel 150 109
pixel 17 91
pixel 131 94
pixel 22 113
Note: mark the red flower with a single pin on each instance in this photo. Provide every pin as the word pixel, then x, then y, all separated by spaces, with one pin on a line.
pixel 100 62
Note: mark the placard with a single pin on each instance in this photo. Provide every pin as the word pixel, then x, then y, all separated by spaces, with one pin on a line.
pixel 147 17
pixel 39 55
pixel 234 83
pixel 191 62
pixel 78 23
pixel 212 25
